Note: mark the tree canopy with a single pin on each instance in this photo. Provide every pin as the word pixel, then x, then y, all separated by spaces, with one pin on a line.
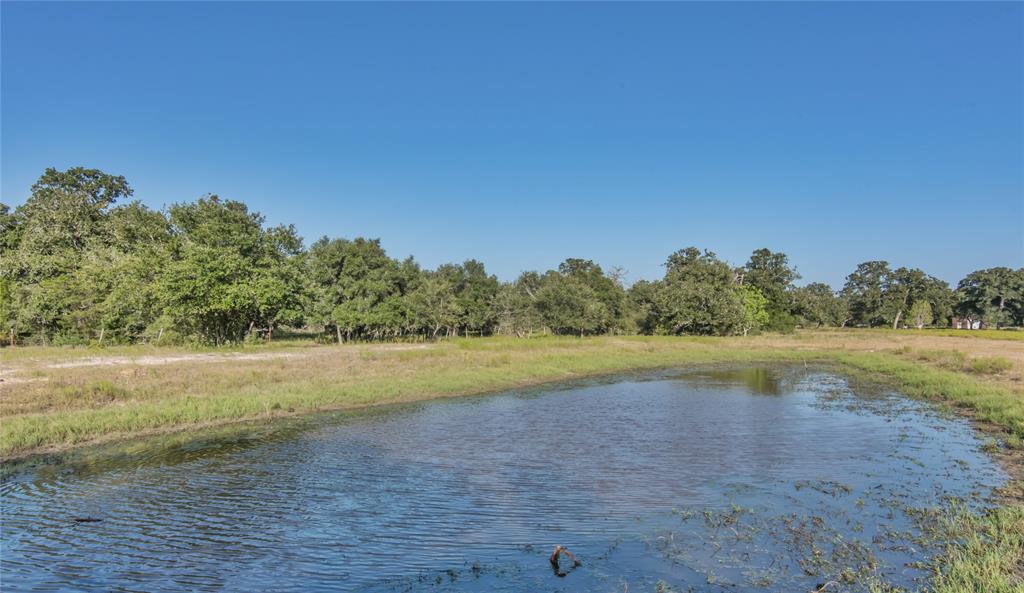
pixel 880 296
pixel 993 295
pixel 82 263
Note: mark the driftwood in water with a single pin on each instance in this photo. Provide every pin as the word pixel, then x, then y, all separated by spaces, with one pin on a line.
pixel 561 551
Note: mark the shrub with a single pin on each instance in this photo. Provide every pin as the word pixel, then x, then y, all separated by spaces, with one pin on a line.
pixel 985 365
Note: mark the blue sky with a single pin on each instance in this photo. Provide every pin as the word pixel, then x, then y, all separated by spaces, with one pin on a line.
pixel 522 134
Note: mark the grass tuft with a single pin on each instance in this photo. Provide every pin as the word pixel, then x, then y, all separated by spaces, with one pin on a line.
pixel 985 552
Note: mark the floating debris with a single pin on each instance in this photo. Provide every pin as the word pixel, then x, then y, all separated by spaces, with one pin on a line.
pixel 556 555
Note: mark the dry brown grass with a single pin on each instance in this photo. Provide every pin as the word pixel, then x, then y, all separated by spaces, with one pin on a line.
pixel 918 345
pixel 53 398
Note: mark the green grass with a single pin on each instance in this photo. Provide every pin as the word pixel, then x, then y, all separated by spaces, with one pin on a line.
pixel 985 553
pixel 988 402
pixel 958 361
pixel 989 365
pixel 434 374
pixel 988 334
pixel 89 404
pixel 71 407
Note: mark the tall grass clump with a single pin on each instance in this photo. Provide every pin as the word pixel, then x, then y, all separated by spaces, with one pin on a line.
pixel 984 553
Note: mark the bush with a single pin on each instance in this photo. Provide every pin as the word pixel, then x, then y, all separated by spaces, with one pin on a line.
pixel 985 365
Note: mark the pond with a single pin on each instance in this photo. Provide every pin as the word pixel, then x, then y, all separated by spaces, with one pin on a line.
pixel 752 479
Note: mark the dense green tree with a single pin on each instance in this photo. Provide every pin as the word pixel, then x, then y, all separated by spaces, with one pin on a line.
pixel 608 291
pixel 351 279
pixel 578 298
pixel 474 292
pixel 880 296
pixel 8 229
pixel 228 275
pixel 770 273
pixel 67 210
pixel 568 305
pixel 819 306
pixel 699 295
pixel 940 298
pixel 515 306
pixel 77 266
pixel 920 314
pixel 7 324
pixel 865 293
pixel 433 306
pixel 110 295
pixel 755 309
pixel 992 295
pixel 8 243
pixel 901 288
pixel 44 245
pixel 643 296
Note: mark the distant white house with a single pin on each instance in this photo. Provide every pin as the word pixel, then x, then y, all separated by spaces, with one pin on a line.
pixel 965 323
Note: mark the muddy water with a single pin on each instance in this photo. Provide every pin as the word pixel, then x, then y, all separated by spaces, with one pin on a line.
pixel 719 480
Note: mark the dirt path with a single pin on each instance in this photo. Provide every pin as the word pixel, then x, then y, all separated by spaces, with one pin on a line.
pixel 159 360
pixel 61 383
pixel 14 372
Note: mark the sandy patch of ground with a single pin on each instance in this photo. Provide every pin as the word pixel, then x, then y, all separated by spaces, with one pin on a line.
pixel 14 373
pixel 159 360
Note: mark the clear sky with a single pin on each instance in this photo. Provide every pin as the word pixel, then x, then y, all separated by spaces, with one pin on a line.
pixel 522 134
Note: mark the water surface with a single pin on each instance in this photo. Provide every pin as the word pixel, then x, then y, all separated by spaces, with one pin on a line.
pixel 719 480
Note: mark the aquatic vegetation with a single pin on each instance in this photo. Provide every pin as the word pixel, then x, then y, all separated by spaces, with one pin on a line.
pixel 981 552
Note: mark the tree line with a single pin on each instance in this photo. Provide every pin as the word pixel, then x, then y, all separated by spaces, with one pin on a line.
pixel 80 262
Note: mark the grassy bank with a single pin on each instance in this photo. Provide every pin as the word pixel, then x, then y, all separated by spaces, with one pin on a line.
pixel 60 406
pixel 52 399
pixel 51 402
pixel 984 553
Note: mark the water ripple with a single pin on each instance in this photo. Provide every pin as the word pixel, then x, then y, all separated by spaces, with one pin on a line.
pixel 472 494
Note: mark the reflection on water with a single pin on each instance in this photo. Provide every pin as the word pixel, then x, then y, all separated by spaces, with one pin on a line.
pixel 640 477
pixel 759 380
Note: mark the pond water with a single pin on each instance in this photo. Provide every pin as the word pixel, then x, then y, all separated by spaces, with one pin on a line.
pixel 716 480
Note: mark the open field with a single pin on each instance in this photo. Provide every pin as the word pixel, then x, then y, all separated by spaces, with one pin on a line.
pixel 52 399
